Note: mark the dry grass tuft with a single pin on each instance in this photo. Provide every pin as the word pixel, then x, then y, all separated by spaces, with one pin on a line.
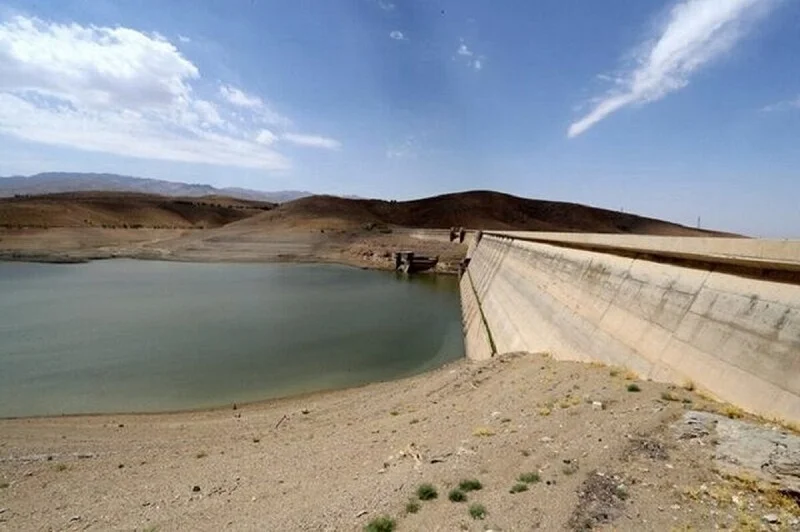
pixel 733 412
pixel 669 396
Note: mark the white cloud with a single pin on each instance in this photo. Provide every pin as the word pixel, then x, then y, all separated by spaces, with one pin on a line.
pixel 312 141
pixel 208 113
pixel 267 137
pixel 397 35
pixel 472 60
pixel 785 105
pixel 239 97
pixel 130 133
pixel 255 104
pixel 128 93
pixel 93 67
pixel 696 32
pixel 184 39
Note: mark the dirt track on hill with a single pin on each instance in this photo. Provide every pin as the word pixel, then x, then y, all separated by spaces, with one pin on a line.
pixel 604 456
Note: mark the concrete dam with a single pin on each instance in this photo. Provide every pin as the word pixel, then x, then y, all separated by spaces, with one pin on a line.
pixel 721 314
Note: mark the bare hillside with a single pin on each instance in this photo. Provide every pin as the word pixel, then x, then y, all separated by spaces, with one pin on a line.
pixel 474 209
pixel 124 210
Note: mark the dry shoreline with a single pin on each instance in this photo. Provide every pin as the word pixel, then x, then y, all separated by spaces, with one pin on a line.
pixel 355 247
pixel 335 460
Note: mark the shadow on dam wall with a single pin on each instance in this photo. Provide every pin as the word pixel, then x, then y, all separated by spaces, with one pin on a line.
pixel 722 314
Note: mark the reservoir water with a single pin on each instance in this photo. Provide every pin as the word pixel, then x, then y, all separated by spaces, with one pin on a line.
pixel 140 336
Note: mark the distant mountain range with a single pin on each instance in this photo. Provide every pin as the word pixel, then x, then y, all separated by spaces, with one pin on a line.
pixel 53 182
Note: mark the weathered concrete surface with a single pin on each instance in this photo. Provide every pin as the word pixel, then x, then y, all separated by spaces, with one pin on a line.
pixel 737 337
pixel 780 254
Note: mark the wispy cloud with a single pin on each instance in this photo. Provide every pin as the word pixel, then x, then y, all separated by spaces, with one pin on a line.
pixel 696 32
pixel 785 105
pixel 184 39
pixel 239 97
pixel 125 92
pixel 397 35
pixel 312 141
pixel 403 150
pixel 266 137
pixel 472 59
pixel 385 5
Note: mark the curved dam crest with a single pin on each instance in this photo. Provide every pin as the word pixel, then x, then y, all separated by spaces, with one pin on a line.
pixel 722 314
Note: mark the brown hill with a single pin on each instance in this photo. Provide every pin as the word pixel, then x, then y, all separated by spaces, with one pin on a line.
pixel 124 209
pixel 473 210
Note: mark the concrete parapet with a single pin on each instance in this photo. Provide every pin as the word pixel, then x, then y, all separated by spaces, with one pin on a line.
pixel 578 298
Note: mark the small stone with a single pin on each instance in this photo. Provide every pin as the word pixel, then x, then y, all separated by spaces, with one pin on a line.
pixel 771 518
pixel 737 501
pixel 675 507
pixel 74 518
pixel 669 466
pixel 794 521
pixel 305 411
pixel 3 510
pixel 361 513
pixel 597 405
pixel 545 439
pixel 196 489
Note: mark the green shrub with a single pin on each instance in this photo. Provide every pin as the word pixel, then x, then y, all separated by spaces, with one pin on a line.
pixel 457 496
pixel 477 511
pixel 529 478
pixel 412 507
pixel 633 387
pixel 518 487
pixel 470 484
pixel 381 524
pixel 426 492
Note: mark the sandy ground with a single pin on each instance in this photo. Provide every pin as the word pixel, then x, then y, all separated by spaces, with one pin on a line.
pixel 352 246
pixel 605 457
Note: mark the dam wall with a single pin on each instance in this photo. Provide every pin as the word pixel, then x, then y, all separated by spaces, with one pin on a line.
pixel 722 314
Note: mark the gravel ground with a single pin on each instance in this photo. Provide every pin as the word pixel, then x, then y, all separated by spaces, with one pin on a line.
pixel 591 454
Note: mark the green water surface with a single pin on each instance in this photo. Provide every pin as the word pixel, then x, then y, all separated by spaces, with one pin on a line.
pixel 139 336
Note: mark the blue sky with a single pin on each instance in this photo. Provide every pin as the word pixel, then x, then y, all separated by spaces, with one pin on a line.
pixel 673 109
